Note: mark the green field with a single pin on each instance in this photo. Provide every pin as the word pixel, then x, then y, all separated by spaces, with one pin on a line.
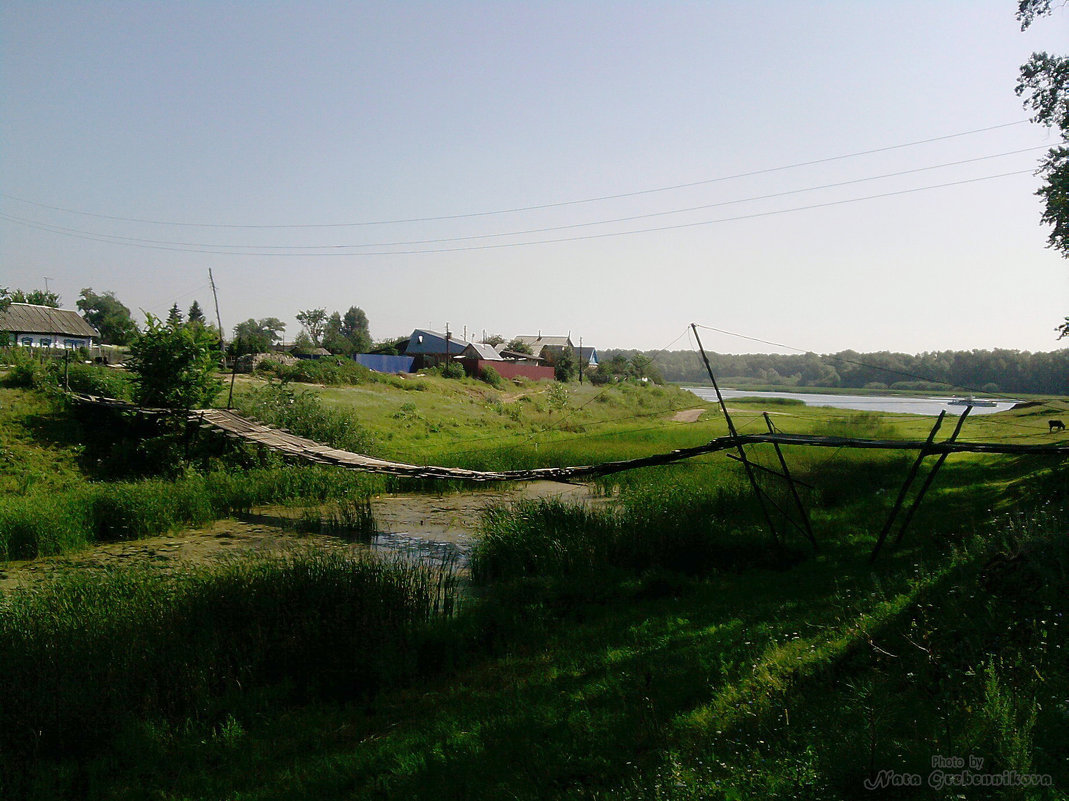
pixel 659 645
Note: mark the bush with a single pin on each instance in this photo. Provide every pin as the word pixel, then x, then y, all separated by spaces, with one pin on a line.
pixel 492 377
pixel 304 413
pixel 453 370
pixel 332 371
pixel 174 366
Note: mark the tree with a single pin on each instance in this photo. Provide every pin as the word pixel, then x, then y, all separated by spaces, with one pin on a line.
pixel 1044 84
pixel 334 339
pixel 256 336
pixel 565 365
pixel 196 315
pixel 493 340
pixel 174 366
pixel 313 321
pixel 303 343
pixel 35 297
pixel 354 327
pixel 108 316
pixel 174 317
pixel 518 346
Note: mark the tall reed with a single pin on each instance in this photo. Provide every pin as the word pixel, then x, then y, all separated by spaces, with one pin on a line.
pixel 84 651
pixel 49 523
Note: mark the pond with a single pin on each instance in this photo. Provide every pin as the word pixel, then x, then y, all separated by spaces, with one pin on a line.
pixel 426 527
pixel 898 404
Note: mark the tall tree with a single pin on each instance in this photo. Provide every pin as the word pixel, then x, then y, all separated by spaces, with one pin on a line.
pixel 334 338
pixel 1044 84
pixel 313 321
pixel 107 314
pixel 174 317
pixel 355 328
pixel 196 315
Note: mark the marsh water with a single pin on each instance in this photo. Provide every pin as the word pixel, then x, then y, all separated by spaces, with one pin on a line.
pixel 427 527
pixel 896 404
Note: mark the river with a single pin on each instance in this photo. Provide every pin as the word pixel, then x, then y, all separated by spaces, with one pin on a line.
pixel 898 404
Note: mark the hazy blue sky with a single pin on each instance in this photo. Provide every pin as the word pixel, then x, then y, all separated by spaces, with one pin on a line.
pixel 359 115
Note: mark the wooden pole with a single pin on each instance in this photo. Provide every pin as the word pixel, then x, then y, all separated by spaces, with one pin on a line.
pixel 790 483
pixel 905 487
pixel 735 436
pixel 768 470
pixel 931 477
pixel 218 319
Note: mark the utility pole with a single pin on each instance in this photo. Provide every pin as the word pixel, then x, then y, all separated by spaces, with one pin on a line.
pixel 218 319
pixel 51 319
pixel 580 360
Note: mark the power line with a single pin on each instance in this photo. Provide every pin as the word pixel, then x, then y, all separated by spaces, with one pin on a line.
pixel 537 207
pixel 572 226
pixel 133 242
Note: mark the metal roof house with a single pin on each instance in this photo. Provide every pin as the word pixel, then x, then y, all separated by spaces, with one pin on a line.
pixel 587 356
pixel 546 347
pixel 480 350
pixel 424 342
pixel 431 347
pixel 479 356
pixel 44 327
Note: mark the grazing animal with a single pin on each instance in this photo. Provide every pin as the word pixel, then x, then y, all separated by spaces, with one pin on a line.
pixel 1056 425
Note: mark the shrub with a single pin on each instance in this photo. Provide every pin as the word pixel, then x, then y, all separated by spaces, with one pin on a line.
pixel 304 413
pixel 175 366
pixel 492 377
pixel 453 370
pixel 333 371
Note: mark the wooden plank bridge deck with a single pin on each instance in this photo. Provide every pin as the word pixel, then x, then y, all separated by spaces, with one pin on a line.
pixel 235 426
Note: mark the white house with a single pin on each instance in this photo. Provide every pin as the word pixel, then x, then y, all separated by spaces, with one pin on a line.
pixel 44 327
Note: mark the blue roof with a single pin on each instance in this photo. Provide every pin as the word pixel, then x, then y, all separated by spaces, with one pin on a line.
pixel 425 341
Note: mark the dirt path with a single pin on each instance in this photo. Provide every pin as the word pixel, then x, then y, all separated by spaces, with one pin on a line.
pixel 687 416
pixel 410 523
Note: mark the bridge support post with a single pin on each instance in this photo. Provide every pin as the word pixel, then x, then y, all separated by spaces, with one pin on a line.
pixel 905 487
pixel 735 436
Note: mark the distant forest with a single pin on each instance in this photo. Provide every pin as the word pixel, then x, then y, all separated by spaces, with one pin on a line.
pixel 1006 371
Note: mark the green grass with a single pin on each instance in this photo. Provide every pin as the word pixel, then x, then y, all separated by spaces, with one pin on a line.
pixel 47 523
pixel 797 682
pixel 657 647
pixel 87 655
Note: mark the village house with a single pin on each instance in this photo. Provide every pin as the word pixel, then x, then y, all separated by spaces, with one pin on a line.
pixel 477 356
pixel 44 327
pixel 547 348
pixel 431 347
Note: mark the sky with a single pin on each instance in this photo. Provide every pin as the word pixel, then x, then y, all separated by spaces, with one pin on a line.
pixel 824 175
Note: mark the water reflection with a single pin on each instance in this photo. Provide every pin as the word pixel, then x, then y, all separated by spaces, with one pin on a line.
pixel 897 404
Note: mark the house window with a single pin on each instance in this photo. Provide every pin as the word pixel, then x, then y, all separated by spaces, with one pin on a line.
pixel 46 343
pixel 72 343
pixel 26 341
